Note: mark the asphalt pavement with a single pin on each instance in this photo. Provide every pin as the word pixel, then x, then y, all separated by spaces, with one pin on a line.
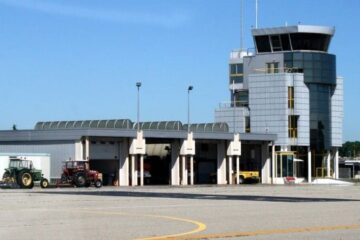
pixel 199 212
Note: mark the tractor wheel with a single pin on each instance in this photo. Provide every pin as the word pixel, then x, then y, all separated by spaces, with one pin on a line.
pixel 241 180
pixel 44 183
pixel 98 183
pixel 25 179
pixel 80 180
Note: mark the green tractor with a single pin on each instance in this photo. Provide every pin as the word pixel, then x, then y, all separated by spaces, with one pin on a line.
pixel 22 173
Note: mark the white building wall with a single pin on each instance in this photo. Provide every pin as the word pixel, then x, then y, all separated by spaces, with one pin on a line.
pixel 268 102
pixel 337 114
pixel 226 114
pixel 59 152
pixel 268 105
pixel 301 108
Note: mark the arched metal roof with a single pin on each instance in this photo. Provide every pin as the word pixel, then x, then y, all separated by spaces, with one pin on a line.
pixel 114 123
pixel 208 127
pixel 127 124
pixel 162 125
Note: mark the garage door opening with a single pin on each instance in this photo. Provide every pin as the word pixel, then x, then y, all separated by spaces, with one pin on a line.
pixel 157 164
pixel 205 163
pixel 108 168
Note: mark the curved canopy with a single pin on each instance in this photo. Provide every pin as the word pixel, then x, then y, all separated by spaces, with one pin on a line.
pixel 114 123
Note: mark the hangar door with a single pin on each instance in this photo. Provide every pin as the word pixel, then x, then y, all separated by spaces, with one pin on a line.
pixel 104 157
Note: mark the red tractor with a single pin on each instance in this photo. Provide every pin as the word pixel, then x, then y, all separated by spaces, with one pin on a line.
pixel 78 173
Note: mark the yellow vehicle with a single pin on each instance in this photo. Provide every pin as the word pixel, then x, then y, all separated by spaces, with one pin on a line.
pixel 247 176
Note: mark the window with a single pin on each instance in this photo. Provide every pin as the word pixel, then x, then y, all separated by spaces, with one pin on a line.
pixel 262 44
pixel 272 67
pixel 291 97
pixel 276 43
pixel 236 73
pixel 293 119
pixel 241 98
pixel 247 124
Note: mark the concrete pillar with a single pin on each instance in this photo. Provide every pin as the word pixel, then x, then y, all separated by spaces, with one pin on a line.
pixel 328 165
pixel 273 165
pixel 192 170
pixel 230 170
pixel 78 150
pixel 309 166
pixel 133 172
pixel 336 163
pixel 175 163
pixel 184 176
pixel 221 163
pixel 237 169
pixel 87 150
pixel 124 163
pixel 266 169
pixel 141 170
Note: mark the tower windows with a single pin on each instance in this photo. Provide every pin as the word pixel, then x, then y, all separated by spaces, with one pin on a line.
pixel 291 97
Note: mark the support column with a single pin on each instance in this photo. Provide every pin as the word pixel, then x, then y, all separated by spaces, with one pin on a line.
pixel 230 170
pixel 336 163
pixel 273 167
pixel 221 163
pixel 328 165
pixel 191 170
pixel 309 166
pixel 175 164
pixel 124 163
pixel 87 150
pixel 141 170
pixel 183 171
pixel 266 161
pixel 237 169
pixel 132 173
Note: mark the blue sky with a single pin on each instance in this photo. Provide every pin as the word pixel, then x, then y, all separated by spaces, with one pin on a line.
pixel 80 59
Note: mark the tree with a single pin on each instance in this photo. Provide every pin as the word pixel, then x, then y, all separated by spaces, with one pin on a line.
pixel 350 149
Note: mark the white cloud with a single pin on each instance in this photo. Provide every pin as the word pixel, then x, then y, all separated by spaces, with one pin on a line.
pixel 171 19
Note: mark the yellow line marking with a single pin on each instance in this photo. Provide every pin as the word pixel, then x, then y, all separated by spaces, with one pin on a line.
pixel 274 231
pixel 200 226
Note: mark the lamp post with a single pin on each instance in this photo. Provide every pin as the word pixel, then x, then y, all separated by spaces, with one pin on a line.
pixel 138 85
pixel 189 89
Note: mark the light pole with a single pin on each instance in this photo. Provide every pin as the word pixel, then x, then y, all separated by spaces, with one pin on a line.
pixel 138 85
pixel 189 89
pixel 234 104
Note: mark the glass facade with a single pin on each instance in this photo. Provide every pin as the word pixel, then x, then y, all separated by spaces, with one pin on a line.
pixel 320 77
pixel 317 67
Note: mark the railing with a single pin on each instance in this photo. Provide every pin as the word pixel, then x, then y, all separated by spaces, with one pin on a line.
pixel 231 104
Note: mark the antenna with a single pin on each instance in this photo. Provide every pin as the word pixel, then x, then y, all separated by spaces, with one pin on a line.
pixel 256 13
pixel 241 24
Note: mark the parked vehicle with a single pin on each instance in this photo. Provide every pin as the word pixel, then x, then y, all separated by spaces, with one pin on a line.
pixel 78 173
pixel 22 173
pixel 247 176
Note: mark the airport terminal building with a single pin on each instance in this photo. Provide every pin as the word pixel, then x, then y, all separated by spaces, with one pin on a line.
pixel 109 146
pixel 289 87
pixel 284 120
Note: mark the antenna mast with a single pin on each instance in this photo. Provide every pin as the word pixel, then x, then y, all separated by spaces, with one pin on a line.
pixel 241 24
pixel 256 13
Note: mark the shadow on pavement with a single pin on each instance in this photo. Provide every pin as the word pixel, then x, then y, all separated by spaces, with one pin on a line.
pixel 138 194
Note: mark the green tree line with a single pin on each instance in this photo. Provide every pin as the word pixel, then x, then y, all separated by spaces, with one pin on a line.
pixel 350 149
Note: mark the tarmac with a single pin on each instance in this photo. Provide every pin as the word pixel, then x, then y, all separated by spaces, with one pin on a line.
pixel 192 212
